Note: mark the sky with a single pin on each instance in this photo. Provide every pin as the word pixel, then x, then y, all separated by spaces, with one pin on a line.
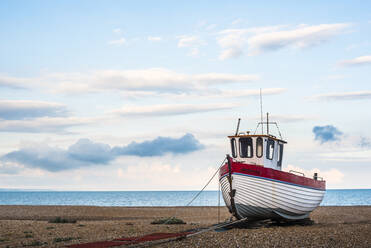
pixel 141 95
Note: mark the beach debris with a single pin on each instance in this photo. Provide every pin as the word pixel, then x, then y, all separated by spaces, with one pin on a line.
pixel 34 243
pixel 57 240
pixel 3 240
pixel 168 221
pixel 62 220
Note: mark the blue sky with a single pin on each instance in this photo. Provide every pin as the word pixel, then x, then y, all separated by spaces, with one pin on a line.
pixel 164 82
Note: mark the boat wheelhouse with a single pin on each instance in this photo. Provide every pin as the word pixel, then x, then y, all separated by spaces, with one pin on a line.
pixel 263 150
pixel 254 186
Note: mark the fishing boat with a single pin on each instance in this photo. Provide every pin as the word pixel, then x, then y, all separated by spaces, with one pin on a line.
pixel 254 186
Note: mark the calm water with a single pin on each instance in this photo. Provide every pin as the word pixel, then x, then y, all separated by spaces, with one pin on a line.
pixel 347 197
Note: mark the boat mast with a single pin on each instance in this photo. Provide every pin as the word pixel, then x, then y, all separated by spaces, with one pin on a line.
pixel 267 123
pixel 261 110
pixel 238 126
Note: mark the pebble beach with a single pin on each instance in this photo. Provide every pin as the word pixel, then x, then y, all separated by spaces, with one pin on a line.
pixel 29 226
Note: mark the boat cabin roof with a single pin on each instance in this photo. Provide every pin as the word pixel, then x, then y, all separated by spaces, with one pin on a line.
pixel 257 135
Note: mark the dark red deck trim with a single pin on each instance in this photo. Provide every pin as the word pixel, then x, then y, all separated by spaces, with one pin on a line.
pixel 272 174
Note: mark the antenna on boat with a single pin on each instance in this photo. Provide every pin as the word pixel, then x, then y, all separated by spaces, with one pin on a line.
pixel 261 109
pixel 238 126
pixel 261 119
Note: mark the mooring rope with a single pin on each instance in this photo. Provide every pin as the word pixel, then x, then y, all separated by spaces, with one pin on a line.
pixel 213 227
pixel 195 197
pixel 208 229
pixel 218 201
pixel 189 203
pixel 219 225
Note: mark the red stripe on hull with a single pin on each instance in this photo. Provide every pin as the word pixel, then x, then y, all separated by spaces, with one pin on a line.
pixel 260 171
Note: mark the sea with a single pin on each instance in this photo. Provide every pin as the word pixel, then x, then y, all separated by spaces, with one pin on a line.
pixel 333 197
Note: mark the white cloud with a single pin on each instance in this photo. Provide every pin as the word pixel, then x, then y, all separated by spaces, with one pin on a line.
pixel 117 30
pixel 10 168
pixel 300 37
pixel 210 93
pixel 223 78
pixel 351 47
pixel 149 170
pixel 350 155
pixel 192 42
pixel 290 118
pixel 169 109
pixel 176 170
pixel 210 27
pixel 118 42
pixel 232 41
pixel 269 38
pixel 362 60
pixel 43 124
pixel 237 21
pixel 331 176
pixel 13 82
pixel 206 25
pixel 158 80
pixel 335 77
pixel 244 93
pixel 189 41
pixel 347 148
pixel 153 174
pixel 356 95
pixel 154 38
pixel 233 52
pixel 195 52
pixel 23 109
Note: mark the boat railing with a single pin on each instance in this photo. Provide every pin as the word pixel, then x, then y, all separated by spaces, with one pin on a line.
pixel 297 172
pixel 320 178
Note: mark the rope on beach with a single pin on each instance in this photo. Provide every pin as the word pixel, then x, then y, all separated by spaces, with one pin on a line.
pixel 180 236
pixel 161 238
pixel 221 225
pixel 152 239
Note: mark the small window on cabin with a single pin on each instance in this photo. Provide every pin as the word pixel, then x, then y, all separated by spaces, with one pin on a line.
pixel 259 147
pixel 233 147
pixel 270 149
pixel 280 153
pixel 246 150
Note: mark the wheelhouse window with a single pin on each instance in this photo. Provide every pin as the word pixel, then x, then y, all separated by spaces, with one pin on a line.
pixel 270 149
pixel 259 147
pixel 233 147
pixel 246 149
pixel 280 153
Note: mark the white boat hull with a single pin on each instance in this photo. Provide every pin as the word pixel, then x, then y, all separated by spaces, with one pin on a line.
pixel 264 198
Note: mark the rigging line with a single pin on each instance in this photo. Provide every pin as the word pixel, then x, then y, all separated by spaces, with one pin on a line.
pixel 279 132
pixel 189 203
pixel 256 128
pixel 206 183
pixel 176 210
pixel 218 201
